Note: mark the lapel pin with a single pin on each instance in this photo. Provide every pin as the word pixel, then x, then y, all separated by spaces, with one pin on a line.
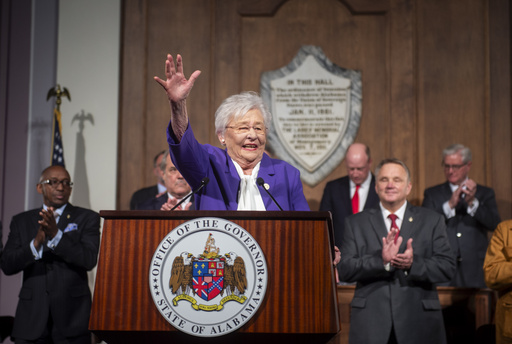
pixel 68 216
pixel 266 186
pixel 410 219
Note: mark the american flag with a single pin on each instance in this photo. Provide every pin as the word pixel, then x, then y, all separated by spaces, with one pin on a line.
pixel 57 149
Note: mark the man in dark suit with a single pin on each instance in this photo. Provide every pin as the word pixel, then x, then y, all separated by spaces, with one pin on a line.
pixel 396 253
pixel 338 197
pixel 54 246
pixel 176 186
pixel 470 212
pixel 153 191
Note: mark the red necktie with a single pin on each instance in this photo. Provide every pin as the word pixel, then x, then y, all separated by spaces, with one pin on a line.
pixel 355 201
pixel 393 218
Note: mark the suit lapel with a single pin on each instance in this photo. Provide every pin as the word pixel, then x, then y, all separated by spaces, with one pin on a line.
pixel 193 206
pixel 345 204
pixel 407 229
pixel 232 179
pixel 447 190
pixel 378 224
pixel 34 218
pixel 65 218
pixel 268 174
pixel 372 196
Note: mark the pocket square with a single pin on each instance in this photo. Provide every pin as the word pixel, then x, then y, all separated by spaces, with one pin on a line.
pixel 71 227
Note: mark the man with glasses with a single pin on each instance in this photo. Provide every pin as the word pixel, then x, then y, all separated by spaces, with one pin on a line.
pixel 54 246
pixel 470 212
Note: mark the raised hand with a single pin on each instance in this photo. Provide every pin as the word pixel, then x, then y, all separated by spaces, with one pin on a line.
pixel 176 86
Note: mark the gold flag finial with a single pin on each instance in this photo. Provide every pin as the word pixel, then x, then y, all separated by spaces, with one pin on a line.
pixel 58 93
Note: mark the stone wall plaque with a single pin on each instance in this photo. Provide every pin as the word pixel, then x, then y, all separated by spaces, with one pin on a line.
pixel 316 109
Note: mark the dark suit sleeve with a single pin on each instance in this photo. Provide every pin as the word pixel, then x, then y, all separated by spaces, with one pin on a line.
pixel 17 254
pixel 143 195
pixel 433 261
pixel 430 203
pixel 361 260
pixel 153 203
pixel 325 203
pixel 487 211
pixel 80 248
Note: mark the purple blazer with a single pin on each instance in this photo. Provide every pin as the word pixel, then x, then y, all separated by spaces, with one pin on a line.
pixel 196 161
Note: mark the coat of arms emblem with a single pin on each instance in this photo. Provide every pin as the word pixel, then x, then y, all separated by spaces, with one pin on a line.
pixel 208 277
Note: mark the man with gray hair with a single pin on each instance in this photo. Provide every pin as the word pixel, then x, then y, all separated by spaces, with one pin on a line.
pixel 176 186
pixel 470 211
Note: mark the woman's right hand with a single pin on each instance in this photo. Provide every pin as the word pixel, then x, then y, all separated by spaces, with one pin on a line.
pixel 176 86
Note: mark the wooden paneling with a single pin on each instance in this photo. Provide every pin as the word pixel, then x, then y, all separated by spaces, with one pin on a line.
pixel 134 157
pixel 434 72
pixel 499 161
pixel 452 83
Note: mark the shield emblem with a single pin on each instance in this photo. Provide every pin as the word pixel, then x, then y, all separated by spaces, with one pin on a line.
pixel 208 278
pixel 316 109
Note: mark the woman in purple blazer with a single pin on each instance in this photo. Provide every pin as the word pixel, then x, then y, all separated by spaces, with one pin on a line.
pixel 238 173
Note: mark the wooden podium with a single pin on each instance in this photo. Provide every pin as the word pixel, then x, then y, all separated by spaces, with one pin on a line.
pixel 300 304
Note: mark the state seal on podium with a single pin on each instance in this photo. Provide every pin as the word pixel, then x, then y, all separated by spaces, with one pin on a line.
pixel 208 277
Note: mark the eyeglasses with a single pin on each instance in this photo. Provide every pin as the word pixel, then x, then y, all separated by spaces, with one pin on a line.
pixel 453 167
pixel 55 183
pixel 244 129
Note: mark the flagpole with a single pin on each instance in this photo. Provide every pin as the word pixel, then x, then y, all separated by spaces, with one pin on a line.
pixel 57 157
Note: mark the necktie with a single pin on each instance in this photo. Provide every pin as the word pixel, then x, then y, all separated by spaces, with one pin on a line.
pixel 355 200
pixel 393 218
pixel 57 216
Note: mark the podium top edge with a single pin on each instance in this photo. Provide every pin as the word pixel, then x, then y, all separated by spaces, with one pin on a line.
pixel 191 214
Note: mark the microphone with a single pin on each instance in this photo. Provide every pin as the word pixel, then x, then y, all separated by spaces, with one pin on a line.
pixel 204 181
pixel 261 183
